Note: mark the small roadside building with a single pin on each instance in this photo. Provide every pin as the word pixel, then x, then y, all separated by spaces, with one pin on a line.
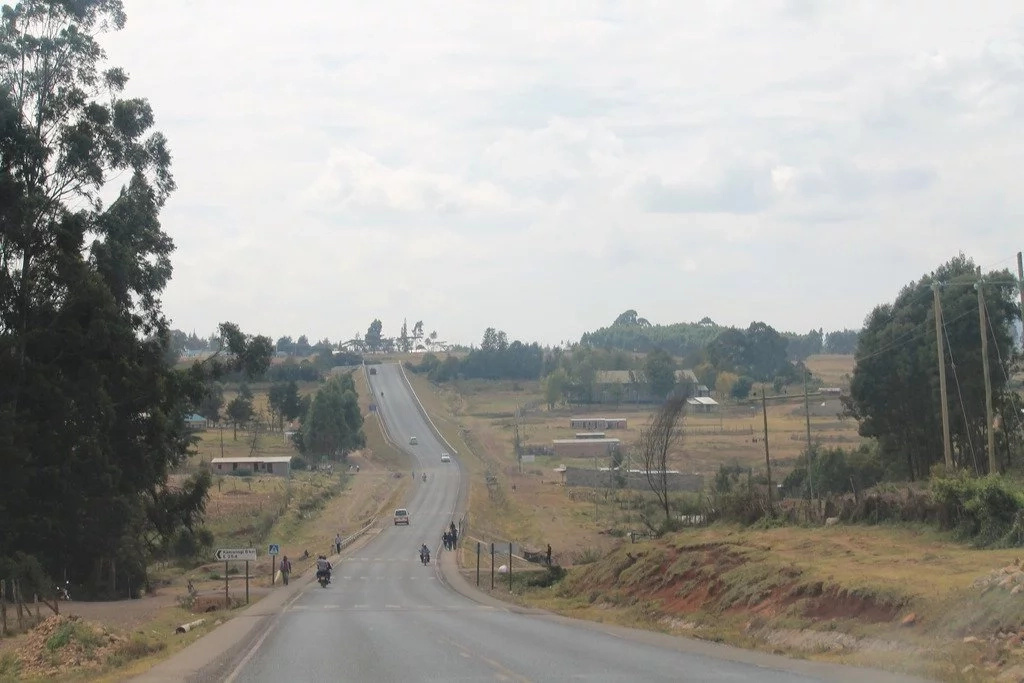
pixel 275 465
pixel 584 448
pixel 594 424
pixel 702 404
pixel 195 422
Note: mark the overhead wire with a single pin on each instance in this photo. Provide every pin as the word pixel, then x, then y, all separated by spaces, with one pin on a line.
pixel 999 356
pixel 959 392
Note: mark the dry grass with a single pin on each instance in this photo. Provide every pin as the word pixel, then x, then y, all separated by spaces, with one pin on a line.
pixel 834 370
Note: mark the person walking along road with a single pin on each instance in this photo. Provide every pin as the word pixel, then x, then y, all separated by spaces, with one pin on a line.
pixel 286 569
pixel 337 544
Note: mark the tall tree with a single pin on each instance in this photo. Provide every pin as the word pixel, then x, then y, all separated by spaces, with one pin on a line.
pixel 212 401
pixel 333 424
pixel 91 413
pixel 240 411
pixel 660 369
pixel 373 336
pixel 404 343
pixel 894 392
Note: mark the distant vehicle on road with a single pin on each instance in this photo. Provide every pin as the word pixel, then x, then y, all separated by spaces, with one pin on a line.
pixel 373 371
pixel 413 441
pixel 401 516
pixel 445 457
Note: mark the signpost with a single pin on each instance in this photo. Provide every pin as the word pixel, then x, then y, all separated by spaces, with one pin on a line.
pixel 229 554
pixel 273 550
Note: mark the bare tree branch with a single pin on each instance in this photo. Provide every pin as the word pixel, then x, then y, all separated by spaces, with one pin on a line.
pixel 659 441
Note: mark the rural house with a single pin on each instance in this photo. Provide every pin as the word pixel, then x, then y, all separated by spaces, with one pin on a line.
pixel 702 404
pixel 631 386
pixel 597 423
pixel 277 465
pixel 195 422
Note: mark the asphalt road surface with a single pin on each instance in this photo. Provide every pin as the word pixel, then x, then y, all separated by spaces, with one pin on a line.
pixel 386 617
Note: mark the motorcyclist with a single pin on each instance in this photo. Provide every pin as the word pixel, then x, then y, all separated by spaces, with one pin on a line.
pixel 424 553
pixel 323 568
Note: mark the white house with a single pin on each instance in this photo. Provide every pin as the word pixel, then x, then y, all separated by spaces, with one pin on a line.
pixel 277 465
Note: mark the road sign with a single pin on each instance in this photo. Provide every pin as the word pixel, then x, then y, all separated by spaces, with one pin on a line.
pixel 273 549
pixel 224 554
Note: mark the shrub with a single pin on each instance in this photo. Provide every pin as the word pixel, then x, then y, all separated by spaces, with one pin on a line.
pixel 987 511
pixel 10 666
pixel 299 463
pixel 587 556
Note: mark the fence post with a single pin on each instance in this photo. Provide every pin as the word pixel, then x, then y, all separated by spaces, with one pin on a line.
pixel 17 599
pixel 478 563
pixel 492 566
pixel 510 566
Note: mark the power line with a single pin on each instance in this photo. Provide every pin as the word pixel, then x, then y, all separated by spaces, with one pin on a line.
pixel 999 357
pixel 959 392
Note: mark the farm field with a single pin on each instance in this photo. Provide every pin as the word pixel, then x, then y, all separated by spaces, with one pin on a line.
pixel 750 587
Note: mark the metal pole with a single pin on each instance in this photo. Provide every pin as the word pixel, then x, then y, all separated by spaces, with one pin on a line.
pixel 247 582
pixel 273 572
pixel 492 566
pixel 478 563
pixel 510 566
pixel 947 445
pixel 227 596
pixel 767 458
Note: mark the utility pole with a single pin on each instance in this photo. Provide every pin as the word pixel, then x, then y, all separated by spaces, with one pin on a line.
pixel 1020 280
pixel 983 319
pixel 947 447
pixel 767 458
pixel 807 414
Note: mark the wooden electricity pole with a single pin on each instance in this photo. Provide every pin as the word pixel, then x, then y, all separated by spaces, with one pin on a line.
pixel 807 415
pixel 947 448
pixel 767 457
pixel 989 431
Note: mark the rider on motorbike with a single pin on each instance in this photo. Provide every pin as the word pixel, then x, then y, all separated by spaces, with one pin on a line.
pixel 424 553
pixel 323 568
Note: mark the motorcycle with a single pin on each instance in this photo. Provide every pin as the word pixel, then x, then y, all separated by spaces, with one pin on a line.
pixel 324 578
pixel 425 557
pixel 424 477
pixel 62 592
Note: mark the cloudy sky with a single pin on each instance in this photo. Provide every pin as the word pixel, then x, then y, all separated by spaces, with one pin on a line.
pixel 541 166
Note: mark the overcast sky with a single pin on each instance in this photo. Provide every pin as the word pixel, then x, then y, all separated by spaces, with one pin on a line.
pixel 541 166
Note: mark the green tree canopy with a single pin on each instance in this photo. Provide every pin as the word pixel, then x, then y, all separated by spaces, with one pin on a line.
pixel 91 412
pixel 894 393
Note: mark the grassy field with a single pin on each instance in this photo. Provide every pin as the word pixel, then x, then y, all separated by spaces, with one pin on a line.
pixel 833 370
pixel 529 503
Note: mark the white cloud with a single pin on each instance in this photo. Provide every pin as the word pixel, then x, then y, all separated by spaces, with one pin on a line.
pixel 543 167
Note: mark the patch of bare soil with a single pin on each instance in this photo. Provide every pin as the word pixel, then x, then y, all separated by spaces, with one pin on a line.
pixel 120 614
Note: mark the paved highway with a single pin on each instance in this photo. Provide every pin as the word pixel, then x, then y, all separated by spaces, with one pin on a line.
pixel 386 617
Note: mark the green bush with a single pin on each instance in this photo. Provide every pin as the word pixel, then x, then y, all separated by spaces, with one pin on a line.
pixel 299 463
pixel 986 511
